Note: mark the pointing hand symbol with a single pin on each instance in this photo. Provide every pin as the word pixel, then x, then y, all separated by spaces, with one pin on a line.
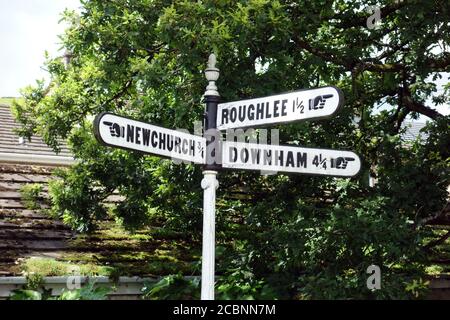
pixel 319 102
pixel 114 129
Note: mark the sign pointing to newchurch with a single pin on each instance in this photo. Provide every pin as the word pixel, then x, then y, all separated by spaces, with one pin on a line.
pixel 117 131
pixel 287 107
pixel 276 158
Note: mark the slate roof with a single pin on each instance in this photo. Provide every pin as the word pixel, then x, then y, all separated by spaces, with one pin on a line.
pixel 9 140
pixel 413 131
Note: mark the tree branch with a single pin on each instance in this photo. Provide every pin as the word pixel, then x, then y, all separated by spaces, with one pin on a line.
pixel 122 91
pixel 151 53
pixel 349 64
pixel 382 67
pixel 328 56
pixel 415 106
pixel 437 242
pixel 440 63
pixel 440 217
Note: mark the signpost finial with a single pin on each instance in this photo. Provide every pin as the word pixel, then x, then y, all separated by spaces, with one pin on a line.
pixel 212 74
pixel 212 61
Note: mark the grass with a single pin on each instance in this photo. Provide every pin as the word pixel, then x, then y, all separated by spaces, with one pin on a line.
pixel 143 264
pixel 51 267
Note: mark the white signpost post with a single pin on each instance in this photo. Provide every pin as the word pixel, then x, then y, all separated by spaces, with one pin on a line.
pixel 117 131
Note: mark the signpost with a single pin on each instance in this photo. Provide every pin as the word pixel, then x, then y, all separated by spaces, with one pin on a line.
pixel 117 131
pixel 288 107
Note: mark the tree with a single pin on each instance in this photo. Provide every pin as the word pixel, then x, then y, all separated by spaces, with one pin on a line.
pixel 288 236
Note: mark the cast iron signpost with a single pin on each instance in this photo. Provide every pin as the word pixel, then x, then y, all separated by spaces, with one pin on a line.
pixel 117 131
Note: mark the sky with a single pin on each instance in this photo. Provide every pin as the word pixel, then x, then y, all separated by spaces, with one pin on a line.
pixel 30 27
pixel 27 29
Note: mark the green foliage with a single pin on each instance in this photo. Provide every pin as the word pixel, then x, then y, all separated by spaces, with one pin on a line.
pixel 286 236
pixel 237 285
pixel 87 292
pixel 31 195
pixel 69 203
pixel 26 295
pixel 417 287
pixel 34 281
pixel 243 284
pixel 172 287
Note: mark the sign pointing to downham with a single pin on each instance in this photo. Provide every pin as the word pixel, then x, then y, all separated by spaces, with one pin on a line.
pixel 117 131
pixel 288 107
pixel 327 162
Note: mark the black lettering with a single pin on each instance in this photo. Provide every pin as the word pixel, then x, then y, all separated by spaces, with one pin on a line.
pixel 242 113
pixel 283 107
pixel 279 157
pixel 268 115
pixel 184 146
pixel 130 133
pixel 233 154
pixel 225 115
pixel 177 144
pixel 154 137
pixel 244 155
pixel 259 111
pixel 145 136
pixel 255 155
pixel 162 141
pixel 275 108
pixel 290 159
pixel 170 143
pixel 233 114
pixel 192 148
pixel 301 160
pixel 138 135
pixel 268 157
pixel 251 112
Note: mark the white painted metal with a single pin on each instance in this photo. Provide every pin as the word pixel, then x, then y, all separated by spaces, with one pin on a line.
pixel 209 185
pixel 114 130
pixel 36 159
pixel 293 106
pixel 212 74
pixel 250 156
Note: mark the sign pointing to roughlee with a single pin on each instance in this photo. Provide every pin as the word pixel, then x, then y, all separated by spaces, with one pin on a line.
pixel 287 107
pixel 275 158
pixel 117 131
